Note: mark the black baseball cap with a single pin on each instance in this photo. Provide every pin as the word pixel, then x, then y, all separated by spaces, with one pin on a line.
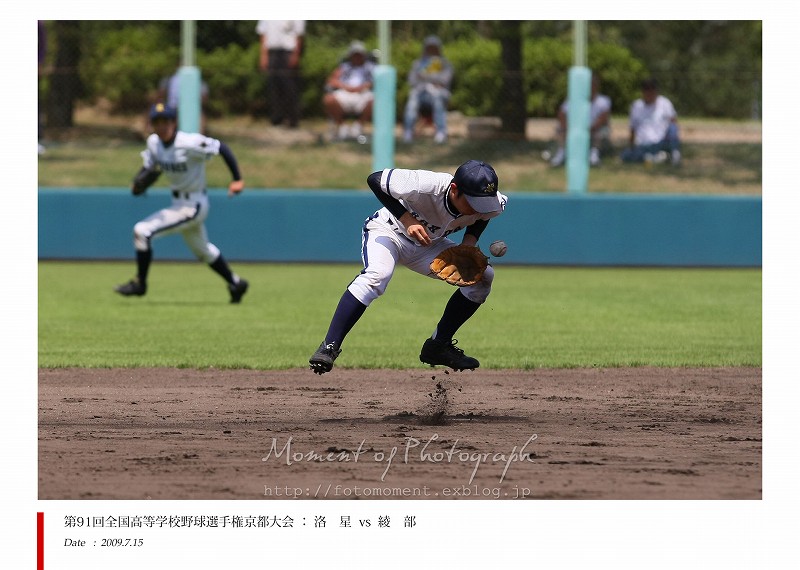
pixel 162 111
pixel 478 182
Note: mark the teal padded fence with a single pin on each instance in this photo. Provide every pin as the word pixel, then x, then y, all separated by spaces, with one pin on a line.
pixel 325 225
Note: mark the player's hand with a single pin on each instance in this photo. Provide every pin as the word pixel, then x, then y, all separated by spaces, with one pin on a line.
pixel 235 187
pixel 419 233
pixel 415 230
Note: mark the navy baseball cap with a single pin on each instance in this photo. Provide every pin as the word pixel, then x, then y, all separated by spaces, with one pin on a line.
pixel 478 181
pixel 162 111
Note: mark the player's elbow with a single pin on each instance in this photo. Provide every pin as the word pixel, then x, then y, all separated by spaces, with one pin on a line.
pixel 374 181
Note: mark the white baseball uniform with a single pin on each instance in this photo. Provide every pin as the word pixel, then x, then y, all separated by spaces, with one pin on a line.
pixel 385 242
pixel 183 162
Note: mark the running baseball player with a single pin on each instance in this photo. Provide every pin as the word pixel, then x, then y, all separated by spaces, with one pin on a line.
pixel 182 156
pixel 421 209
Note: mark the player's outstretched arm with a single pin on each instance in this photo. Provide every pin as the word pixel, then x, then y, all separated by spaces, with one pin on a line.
pixel 237 185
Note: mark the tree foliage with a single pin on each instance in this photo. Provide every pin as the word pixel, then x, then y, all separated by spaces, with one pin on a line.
pixel 707 68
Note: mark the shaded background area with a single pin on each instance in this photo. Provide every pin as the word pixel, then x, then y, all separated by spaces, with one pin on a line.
pixel 100 76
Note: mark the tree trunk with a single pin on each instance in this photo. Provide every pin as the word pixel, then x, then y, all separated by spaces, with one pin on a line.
pixel 512 105
pixel 65 83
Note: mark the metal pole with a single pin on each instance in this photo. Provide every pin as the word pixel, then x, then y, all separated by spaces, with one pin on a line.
pixel 383 116
pixel 189 82
pixel 187 42
pixel 385 42
pixel 579 38
pixel 578 115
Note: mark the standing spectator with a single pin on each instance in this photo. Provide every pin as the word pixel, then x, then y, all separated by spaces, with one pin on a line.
pixel 654 128
pixel 349 92
pixel 430 78
pixel 281 49
pixel 42 55
pixel 599 125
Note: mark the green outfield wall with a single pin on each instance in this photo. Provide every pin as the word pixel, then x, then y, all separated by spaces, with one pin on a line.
pixel 325 225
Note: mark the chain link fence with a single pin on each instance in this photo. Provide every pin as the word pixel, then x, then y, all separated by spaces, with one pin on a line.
pixel 494 110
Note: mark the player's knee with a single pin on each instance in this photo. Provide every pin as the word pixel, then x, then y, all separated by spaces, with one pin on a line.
pixel 480 291
pixel 141 237
pixel 368 286
pixel 207 254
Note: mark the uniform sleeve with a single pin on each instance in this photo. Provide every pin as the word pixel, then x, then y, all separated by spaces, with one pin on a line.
pixel 201 147
pixel 476 228
pixel 148 154
pixel 230 160
pixel 392 204
pixel 400 184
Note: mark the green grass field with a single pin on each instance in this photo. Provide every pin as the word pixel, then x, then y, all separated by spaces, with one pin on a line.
pixel 536 317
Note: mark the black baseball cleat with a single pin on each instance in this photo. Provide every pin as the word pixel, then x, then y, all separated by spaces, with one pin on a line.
pixel 322 360
pixel 446 353
pixel 238 290
pixel 131 288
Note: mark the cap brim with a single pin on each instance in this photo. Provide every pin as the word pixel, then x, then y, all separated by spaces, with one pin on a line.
pixel 484 204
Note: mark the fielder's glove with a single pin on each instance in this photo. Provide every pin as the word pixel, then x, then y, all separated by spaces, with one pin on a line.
pixel 460 265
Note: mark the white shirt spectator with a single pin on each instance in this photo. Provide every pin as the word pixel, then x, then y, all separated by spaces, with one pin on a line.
pixel 650 122
pixel 281 34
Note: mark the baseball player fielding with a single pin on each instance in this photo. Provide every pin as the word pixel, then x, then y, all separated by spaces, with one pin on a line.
pixel 498 248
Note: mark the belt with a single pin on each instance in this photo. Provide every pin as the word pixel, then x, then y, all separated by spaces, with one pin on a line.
pixel 185 195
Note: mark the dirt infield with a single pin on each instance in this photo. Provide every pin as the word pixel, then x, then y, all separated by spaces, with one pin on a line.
pixel 630 433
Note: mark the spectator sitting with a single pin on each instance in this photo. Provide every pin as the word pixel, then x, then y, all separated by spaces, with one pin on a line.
pixel 349 92
pixel 599 129
pixel 430 78
pixel 654 128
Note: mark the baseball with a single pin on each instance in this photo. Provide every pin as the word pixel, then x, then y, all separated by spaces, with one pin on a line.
pixel 498 248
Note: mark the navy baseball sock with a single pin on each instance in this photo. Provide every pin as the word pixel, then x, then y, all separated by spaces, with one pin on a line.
pixel 221 267
pixel 347 313
pixel 143 259
pixel 457 311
